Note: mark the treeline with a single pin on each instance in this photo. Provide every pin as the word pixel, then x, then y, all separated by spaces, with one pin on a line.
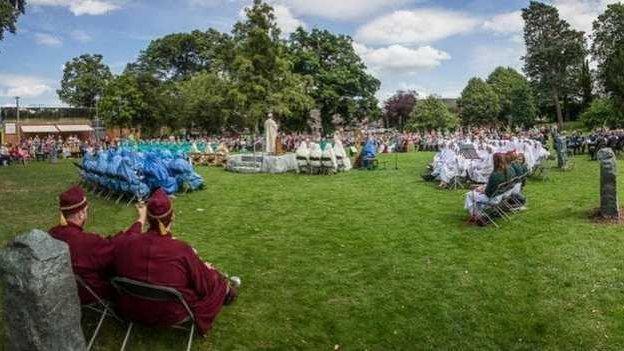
pixel 213 81
pixel 558 84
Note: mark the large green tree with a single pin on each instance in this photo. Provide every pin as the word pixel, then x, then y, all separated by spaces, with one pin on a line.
pixel 262 75
pixel 586 85
pixel 431 114
pixel 140 101
pixel 84 78
pixel 180 55
pixel 602 113
pixel 554 52
pixel 479 103
pixel 205 102
pixel 9 12
pixel 504 80
pixel 340 81
pixel 523 110
pixel 608 51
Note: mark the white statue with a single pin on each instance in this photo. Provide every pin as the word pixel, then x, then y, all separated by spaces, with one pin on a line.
pixel 270 131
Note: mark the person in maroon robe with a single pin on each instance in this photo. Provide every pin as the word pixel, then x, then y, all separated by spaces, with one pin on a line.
pixel 156 257
pixel 91 254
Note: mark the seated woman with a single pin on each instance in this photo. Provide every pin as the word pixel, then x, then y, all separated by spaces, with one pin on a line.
pixel 499 175
pixel 156 257
pixel 483 194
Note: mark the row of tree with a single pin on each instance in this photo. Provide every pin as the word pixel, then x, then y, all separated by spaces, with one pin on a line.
pixel 213 81
pixel 558 81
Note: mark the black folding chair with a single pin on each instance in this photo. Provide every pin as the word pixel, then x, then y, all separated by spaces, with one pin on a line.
pixel 100 306
pixel 153 292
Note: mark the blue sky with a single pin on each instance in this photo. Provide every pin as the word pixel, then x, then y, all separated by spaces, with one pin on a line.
pixel 433 47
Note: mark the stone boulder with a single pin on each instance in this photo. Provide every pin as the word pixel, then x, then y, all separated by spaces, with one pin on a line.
pixel 41 306
pixel 609 205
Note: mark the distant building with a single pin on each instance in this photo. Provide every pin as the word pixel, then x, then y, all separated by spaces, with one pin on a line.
pixel 43 121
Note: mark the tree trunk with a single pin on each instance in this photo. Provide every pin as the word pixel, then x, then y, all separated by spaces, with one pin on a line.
pixel 558 109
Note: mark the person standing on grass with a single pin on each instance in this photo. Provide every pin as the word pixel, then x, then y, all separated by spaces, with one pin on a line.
pixel 156 257
pixel 91 254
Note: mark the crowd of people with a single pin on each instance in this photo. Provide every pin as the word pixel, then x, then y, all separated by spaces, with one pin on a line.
pixel 600 138
pixel 469 159
pixel 45 148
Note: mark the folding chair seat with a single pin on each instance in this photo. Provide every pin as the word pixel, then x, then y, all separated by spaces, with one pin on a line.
pixel 151 292
pixel 327 165
pixel 315 164
pixel 303 163
pixel 370 163
pixel 100 306
pixel 340 163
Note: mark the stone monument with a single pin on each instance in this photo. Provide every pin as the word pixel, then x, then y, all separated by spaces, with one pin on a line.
pixel 41 306
pixel 609 206
pixel 315 122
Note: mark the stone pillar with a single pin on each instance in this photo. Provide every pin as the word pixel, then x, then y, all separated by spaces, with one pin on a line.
pixel 562 151
pixel 41 306
pixel 609 206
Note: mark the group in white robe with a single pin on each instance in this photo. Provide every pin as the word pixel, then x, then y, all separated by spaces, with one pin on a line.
pixel 449 163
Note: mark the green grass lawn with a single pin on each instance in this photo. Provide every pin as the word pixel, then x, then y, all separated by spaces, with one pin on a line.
pixel 375 260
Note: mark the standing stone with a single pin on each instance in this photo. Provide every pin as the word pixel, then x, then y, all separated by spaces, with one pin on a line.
pixel 561 147
pixel 41 306
pixel 609 206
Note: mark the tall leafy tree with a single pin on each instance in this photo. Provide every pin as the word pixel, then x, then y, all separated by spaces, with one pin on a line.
pixel 180 55
pixel 263 80
pixel 479 103
pixel 554 52
pixel 431 114
pixel 504 80
pixel 586 85
pixel 608 51
pixel 340 81
pixel 523 110
pixel 205 102
pixel 398 108
pixel 9 12
pixel 141 101
pixel 84 78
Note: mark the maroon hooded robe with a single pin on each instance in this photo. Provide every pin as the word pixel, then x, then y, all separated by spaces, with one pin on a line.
pixel 162 260
pixel 92 257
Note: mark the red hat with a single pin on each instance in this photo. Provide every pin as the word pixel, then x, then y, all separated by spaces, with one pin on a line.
pixel 159 207
pixel 72 200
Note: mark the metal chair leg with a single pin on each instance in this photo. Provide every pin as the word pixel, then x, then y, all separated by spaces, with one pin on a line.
pixel 97 329
pixel 123 346
pixel 190 341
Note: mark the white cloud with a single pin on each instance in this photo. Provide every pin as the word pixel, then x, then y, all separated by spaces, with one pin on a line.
pixel 81 7
pixel 283 18
pixel 485 58
pixel 24 86
pixel 415 27
pixel 505 23
pixel 340 9
pixel 48 40
pixel 581 13
pixel 81 36
pixel 286 21
pixel 398 58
